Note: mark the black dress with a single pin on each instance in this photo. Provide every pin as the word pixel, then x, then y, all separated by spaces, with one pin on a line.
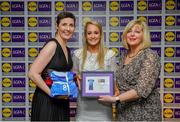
pixel 44 107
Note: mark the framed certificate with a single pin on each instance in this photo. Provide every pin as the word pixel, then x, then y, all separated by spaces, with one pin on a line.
pixel 97 83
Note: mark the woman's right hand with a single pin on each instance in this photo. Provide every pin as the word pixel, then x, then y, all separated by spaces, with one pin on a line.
pixel 78 81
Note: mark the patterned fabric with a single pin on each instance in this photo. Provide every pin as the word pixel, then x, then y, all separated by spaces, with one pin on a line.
pixel 141 75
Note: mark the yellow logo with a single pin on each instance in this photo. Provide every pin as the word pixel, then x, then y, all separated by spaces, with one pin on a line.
pixel 114 6
pixel 5 6
pixel 168 83
pixel 33 52
pixel 30 97
pixel 87 6
pixel 85 20
pixel 170 5
pixel 32 84
pixel 170 20
pixel 6 37
pixel 169 67
pixel 32 6
pixel 32 21
pixel 59 6
pixel 142 5
pixel 6 82
pixel 168 98
pixel 114 21
pixel 114 36
pixel 6 52
pixel 169 36
pixel 169 52
pixel 5 21
pixel 6 67
pixel 142 18
pixel 168 113
pixel 6 112
pixel 32 37
pixel 116 50
pixel 6 97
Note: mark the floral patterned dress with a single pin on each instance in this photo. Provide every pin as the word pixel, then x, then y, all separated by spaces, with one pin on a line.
pixel 141 75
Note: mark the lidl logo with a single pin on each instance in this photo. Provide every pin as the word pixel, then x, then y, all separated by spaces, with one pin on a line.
pixel 6 37
pixel 5 6
pixel 114 36
pixel 114 5
pixel 59 6
pixel 170 4
pixel 169 67
pixel 87 6
pixel 5 21
pixel 32 6
pixel 6 112
pixel 170 20
pixel 114 21
pixel 168 98
pixel 142 5
pixel 169 36
pixel 32 21
pixel 32 36
pixel 168 83
pixel 169 52
pixel 168 113
pixel 6 82
pixel 6 67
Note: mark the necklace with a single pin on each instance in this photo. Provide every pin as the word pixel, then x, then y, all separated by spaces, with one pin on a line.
pixel 134 55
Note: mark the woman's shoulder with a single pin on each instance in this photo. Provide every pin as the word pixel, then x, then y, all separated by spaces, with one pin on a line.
pixel 78 52
pixel 151 53
pixel 109 54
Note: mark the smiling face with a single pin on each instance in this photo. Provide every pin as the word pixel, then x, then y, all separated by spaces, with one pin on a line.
pixel 134 36
pixel 66 28
pixel 93 35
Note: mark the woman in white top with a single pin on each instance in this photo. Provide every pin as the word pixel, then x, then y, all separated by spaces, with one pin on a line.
pixel 93 57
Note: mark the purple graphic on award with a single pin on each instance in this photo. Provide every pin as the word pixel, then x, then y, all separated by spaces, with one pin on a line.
pixel 155 5
pixel 99 6
pixel 17 6
pixel 44 36
pixel 44 6
pixel 177 51
pixel 18 52
pixel 19 82
pixel 126 5
pixel 17 21
pixel 72 6
pixel 19 112
pixel 154 20
pixel 177 113
pixel 18 37
pixel 155 36
pixel 177 67
pixel 177 20
pixel 44 21
pixel 19 97
pixel 18 67
pixel 125 20
pixel 177 82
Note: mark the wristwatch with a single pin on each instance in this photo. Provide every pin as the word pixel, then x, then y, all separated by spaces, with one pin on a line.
pixel 118 101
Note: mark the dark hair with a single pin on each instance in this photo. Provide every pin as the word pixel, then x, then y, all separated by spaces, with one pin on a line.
pixel 63 15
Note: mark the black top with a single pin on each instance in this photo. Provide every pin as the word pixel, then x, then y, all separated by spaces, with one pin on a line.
pixel 58 61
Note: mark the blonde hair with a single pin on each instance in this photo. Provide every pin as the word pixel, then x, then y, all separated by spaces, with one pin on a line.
pixel 101 51
pixel 146 42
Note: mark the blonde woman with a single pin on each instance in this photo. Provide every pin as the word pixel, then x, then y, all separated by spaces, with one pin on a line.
pixel 138 71
pixel 93 56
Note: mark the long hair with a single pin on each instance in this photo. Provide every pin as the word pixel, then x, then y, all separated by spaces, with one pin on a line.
pixel 146 42
pixel 101 50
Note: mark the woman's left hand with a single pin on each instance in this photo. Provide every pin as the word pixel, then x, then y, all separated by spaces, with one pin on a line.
pixel 107 98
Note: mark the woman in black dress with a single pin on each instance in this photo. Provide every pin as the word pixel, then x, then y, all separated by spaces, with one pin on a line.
pixel 54 55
